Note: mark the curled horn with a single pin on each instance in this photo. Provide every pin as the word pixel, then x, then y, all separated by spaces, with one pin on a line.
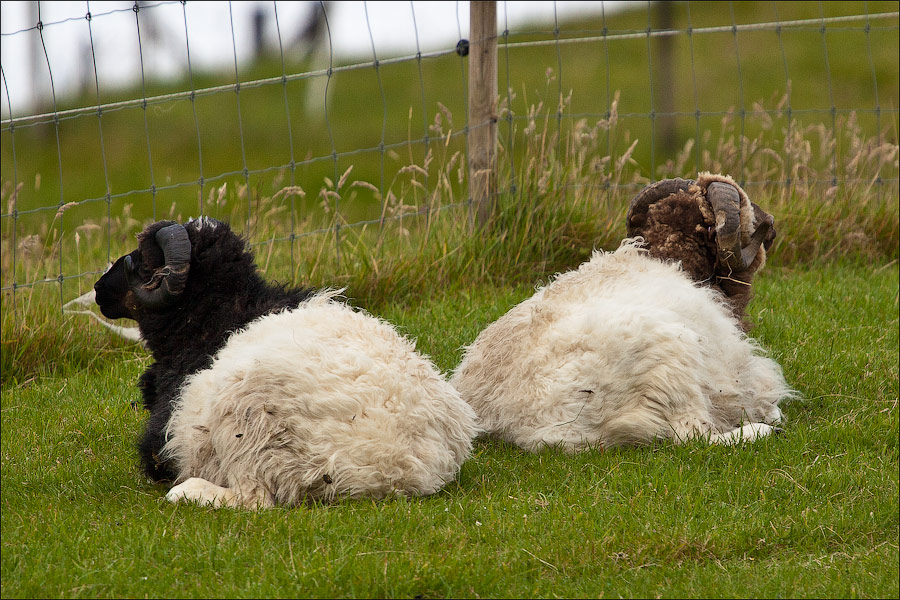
pixel 168 282
pixel 650 195
pixel 726 204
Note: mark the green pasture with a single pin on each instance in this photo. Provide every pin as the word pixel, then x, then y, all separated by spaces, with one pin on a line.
pixel 754 84
pixel 811 513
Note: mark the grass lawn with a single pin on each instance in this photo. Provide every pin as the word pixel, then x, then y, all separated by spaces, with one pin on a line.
pixel 811 513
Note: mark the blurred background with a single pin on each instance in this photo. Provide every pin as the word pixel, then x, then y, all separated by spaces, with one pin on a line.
pixel 397 28
pixel 296 120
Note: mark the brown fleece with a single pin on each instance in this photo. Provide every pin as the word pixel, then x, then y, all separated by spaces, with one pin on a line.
pixel 682 227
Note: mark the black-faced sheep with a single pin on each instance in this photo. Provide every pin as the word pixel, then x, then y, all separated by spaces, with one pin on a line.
pixel 262 395
pixel 631 346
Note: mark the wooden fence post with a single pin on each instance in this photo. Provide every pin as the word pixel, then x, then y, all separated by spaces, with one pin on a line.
pixel 482 140
pixel 665 70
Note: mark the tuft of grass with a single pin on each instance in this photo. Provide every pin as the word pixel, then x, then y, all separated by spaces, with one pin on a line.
pixel 559 197
pixel 48 344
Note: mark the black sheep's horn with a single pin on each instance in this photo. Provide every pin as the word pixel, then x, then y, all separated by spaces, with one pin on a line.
pixel 168 282
pixel 726 204
pixel 651 194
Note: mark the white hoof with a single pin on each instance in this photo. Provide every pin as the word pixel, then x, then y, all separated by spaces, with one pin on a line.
pixel 748 433
pixel 201 491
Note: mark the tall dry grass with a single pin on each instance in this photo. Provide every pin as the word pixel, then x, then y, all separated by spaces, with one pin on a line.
pixel 564 187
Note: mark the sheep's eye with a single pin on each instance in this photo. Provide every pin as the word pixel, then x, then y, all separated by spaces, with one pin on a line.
pixel 142 269
pixel 137 267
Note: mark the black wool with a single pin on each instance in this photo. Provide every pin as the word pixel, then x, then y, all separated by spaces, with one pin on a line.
pixel 222 295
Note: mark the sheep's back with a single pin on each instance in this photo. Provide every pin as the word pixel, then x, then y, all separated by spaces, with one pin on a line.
pixel 321 401
pixel 608 353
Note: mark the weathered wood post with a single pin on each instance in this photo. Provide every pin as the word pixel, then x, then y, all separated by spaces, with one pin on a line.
pixel 665 69
pixel 482 140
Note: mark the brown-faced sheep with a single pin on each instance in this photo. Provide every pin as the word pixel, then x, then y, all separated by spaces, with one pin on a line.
pixel 711 227
pixel 638 344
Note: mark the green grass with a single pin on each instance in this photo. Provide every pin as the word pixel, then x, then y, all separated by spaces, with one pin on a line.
pixel 811 513
pixel 750 72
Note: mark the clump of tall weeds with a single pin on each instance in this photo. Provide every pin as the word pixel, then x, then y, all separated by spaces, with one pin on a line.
pixel 563 187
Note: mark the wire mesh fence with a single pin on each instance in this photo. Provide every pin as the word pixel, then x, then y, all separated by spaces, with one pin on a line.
pixel 292 140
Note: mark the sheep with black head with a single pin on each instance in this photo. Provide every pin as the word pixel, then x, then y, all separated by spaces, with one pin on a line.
pixel 263 395
pixel 639 344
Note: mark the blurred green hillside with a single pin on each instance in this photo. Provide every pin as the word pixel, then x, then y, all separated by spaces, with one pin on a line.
pixel 172 158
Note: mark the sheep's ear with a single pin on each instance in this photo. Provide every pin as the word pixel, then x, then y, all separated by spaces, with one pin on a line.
pixel 653 193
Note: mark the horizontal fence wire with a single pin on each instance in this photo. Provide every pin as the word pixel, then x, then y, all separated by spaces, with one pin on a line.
pixel 809 24
pixel 508 46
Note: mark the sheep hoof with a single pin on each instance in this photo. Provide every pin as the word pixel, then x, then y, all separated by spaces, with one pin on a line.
pixel 748 433
pixel 200 491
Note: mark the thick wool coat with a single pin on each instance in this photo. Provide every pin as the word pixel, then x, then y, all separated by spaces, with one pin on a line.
pixel 284 393
pixel 624 350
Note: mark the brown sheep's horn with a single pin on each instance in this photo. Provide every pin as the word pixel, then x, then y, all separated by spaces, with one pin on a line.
pixel 168 282
pixel 650 195
pixel 726 204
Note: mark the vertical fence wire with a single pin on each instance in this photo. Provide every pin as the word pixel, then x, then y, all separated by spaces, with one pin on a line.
pixel 237 98
pixel 559 88
pixel 187 42
pixel 650 92
pixel 868 29
pixel 607 187
pixel 789 170
pixel 137 24
pixel 425 140
pixel 14 200
pixel 510 134
pixel 697 144
pixel 100 132
pixel 290 133
pixel 743 109
pixel 383 105
pixel 59 214
pixel 833 109
pixel 465 87
pixel 334 154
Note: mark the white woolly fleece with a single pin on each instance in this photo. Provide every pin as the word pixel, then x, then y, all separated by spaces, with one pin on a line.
pixel 322 401
pixel 623 350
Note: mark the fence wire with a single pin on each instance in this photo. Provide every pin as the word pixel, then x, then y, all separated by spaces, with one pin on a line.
pixel 27 213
